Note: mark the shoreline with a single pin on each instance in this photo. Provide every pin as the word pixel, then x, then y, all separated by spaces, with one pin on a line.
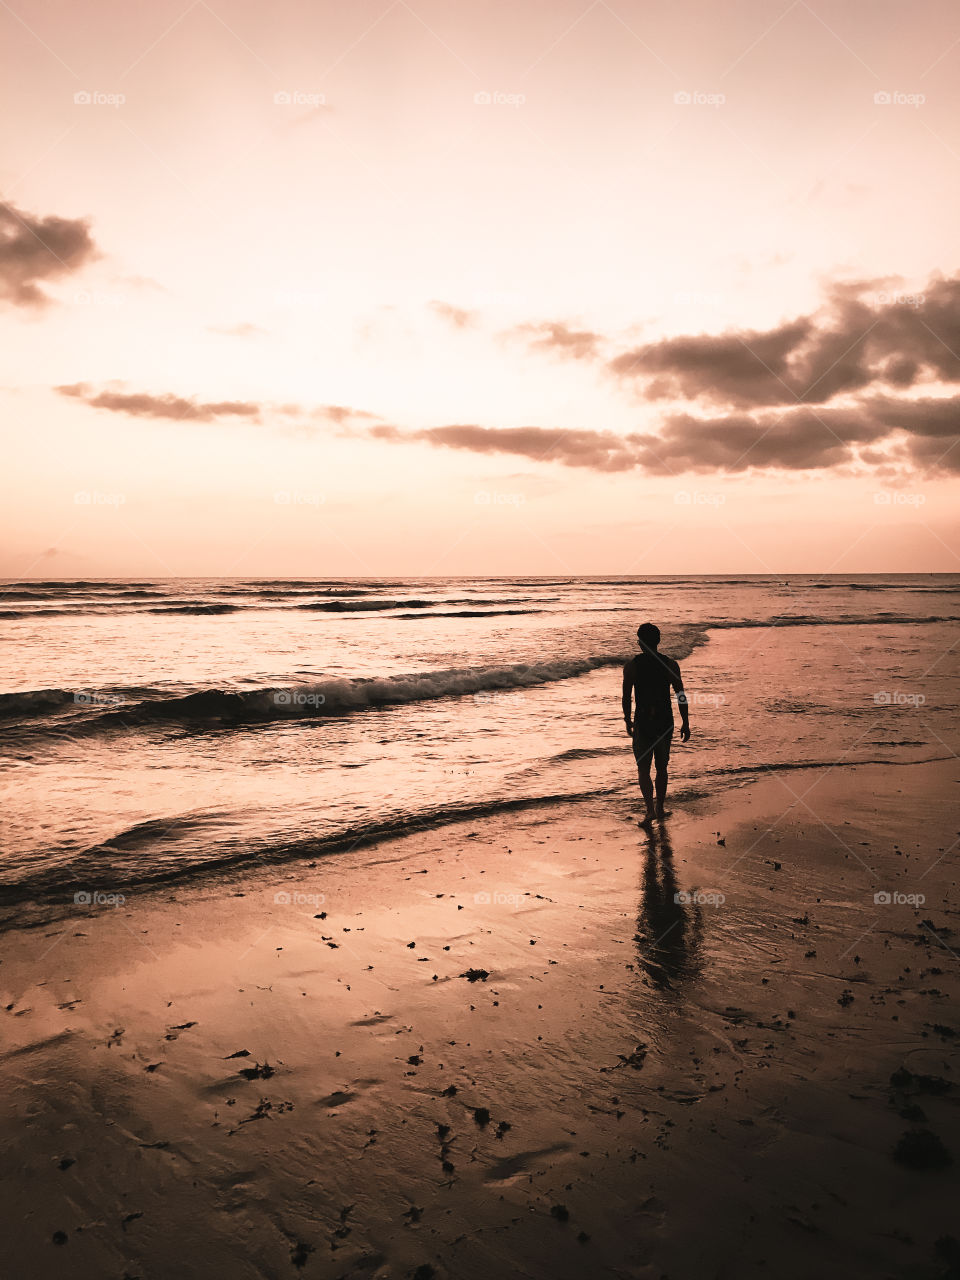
pixel 618 1082
pixel 224 873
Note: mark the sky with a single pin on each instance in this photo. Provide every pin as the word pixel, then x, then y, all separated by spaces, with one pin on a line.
pixel 520 287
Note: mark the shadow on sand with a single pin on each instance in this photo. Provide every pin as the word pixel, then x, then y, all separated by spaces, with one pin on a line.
pixel 669 926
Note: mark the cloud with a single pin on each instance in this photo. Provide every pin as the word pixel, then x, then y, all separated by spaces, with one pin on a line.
pixel 554 335
pixel 141 404
pixel 242 330
pixel 459 317
pixel 599 450
pixel 864 337
pixel 34 249
pixel 799 438
pixel 336 412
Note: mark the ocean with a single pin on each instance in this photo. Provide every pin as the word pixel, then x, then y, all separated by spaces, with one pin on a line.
pixel 157 729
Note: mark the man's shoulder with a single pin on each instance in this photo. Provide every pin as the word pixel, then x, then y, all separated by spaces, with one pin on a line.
pixel 672 663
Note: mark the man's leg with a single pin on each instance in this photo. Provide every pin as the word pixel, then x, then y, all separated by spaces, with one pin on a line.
pixel 662 780
pixel 662 756
pixel 646 783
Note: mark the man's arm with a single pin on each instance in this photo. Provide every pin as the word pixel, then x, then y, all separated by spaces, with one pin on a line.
pixel 627 700
pixel 677 683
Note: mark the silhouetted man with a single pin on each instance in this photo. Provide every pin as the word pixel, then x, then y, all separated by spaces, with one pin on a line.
pixel 648 713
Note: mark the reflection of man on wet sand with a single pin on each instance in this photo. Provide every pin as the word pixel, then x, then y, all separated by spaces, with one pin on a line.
pixel 648 714
pixel 668 931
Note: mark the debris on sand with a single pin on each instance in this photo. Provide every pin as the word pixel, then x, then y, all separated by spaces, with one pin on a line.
pixel 904 1079
pixel 560 1212
pixel 482 1116
pixel 921 1149
pixel 257 1071
pixel 476 975
pixel 443 1134
pixel 300 1253
pixel 635 1059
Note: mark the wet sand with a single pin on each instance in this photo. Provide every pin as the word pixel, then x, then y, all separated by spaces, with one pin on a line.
pixel 505 1048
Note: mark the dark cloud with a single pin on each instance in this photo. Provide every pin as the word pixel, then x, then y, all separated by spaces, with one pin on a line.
pixel 736 368
pixel 33 250
pixel 936 416
pixel 800 438
pixel 140 404
pixel 554 335
pixel 864 337
pixel 599 450
pixel 934 456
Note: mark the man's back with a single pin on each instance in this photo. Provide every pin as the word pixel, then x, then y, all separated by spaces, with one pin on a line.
pixel 652 676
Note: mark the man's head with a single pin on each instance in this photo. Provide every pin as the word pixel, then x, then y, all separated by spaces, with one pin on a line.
pixel 648 636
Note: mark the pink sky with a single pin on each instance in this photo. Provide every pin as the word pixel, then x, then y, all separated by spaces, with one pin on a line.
pixel 497 234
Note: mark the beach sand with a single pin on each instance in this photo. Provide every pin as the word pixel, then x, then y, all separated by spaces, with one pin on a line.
pixel 503 1048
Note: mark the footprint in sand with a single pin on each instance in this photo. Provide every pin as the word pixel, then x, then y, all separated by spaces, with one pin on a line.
pixel 511 1167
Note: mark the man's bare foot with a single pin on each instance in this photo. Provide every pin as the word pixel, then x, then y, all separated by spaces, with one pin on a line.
pixel 646 821
pixel 663 813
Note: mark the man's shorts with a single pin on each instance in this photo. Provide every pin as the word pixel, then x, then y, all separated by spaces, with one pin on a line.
pixel 652 743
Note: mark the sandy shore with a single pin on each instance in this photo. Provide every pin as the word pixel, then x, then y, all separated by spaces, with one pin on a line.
pixel 505 1048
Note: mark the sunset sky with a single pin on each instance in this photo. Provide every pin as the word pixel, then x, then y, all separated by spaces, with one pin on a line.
pixel 377 288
